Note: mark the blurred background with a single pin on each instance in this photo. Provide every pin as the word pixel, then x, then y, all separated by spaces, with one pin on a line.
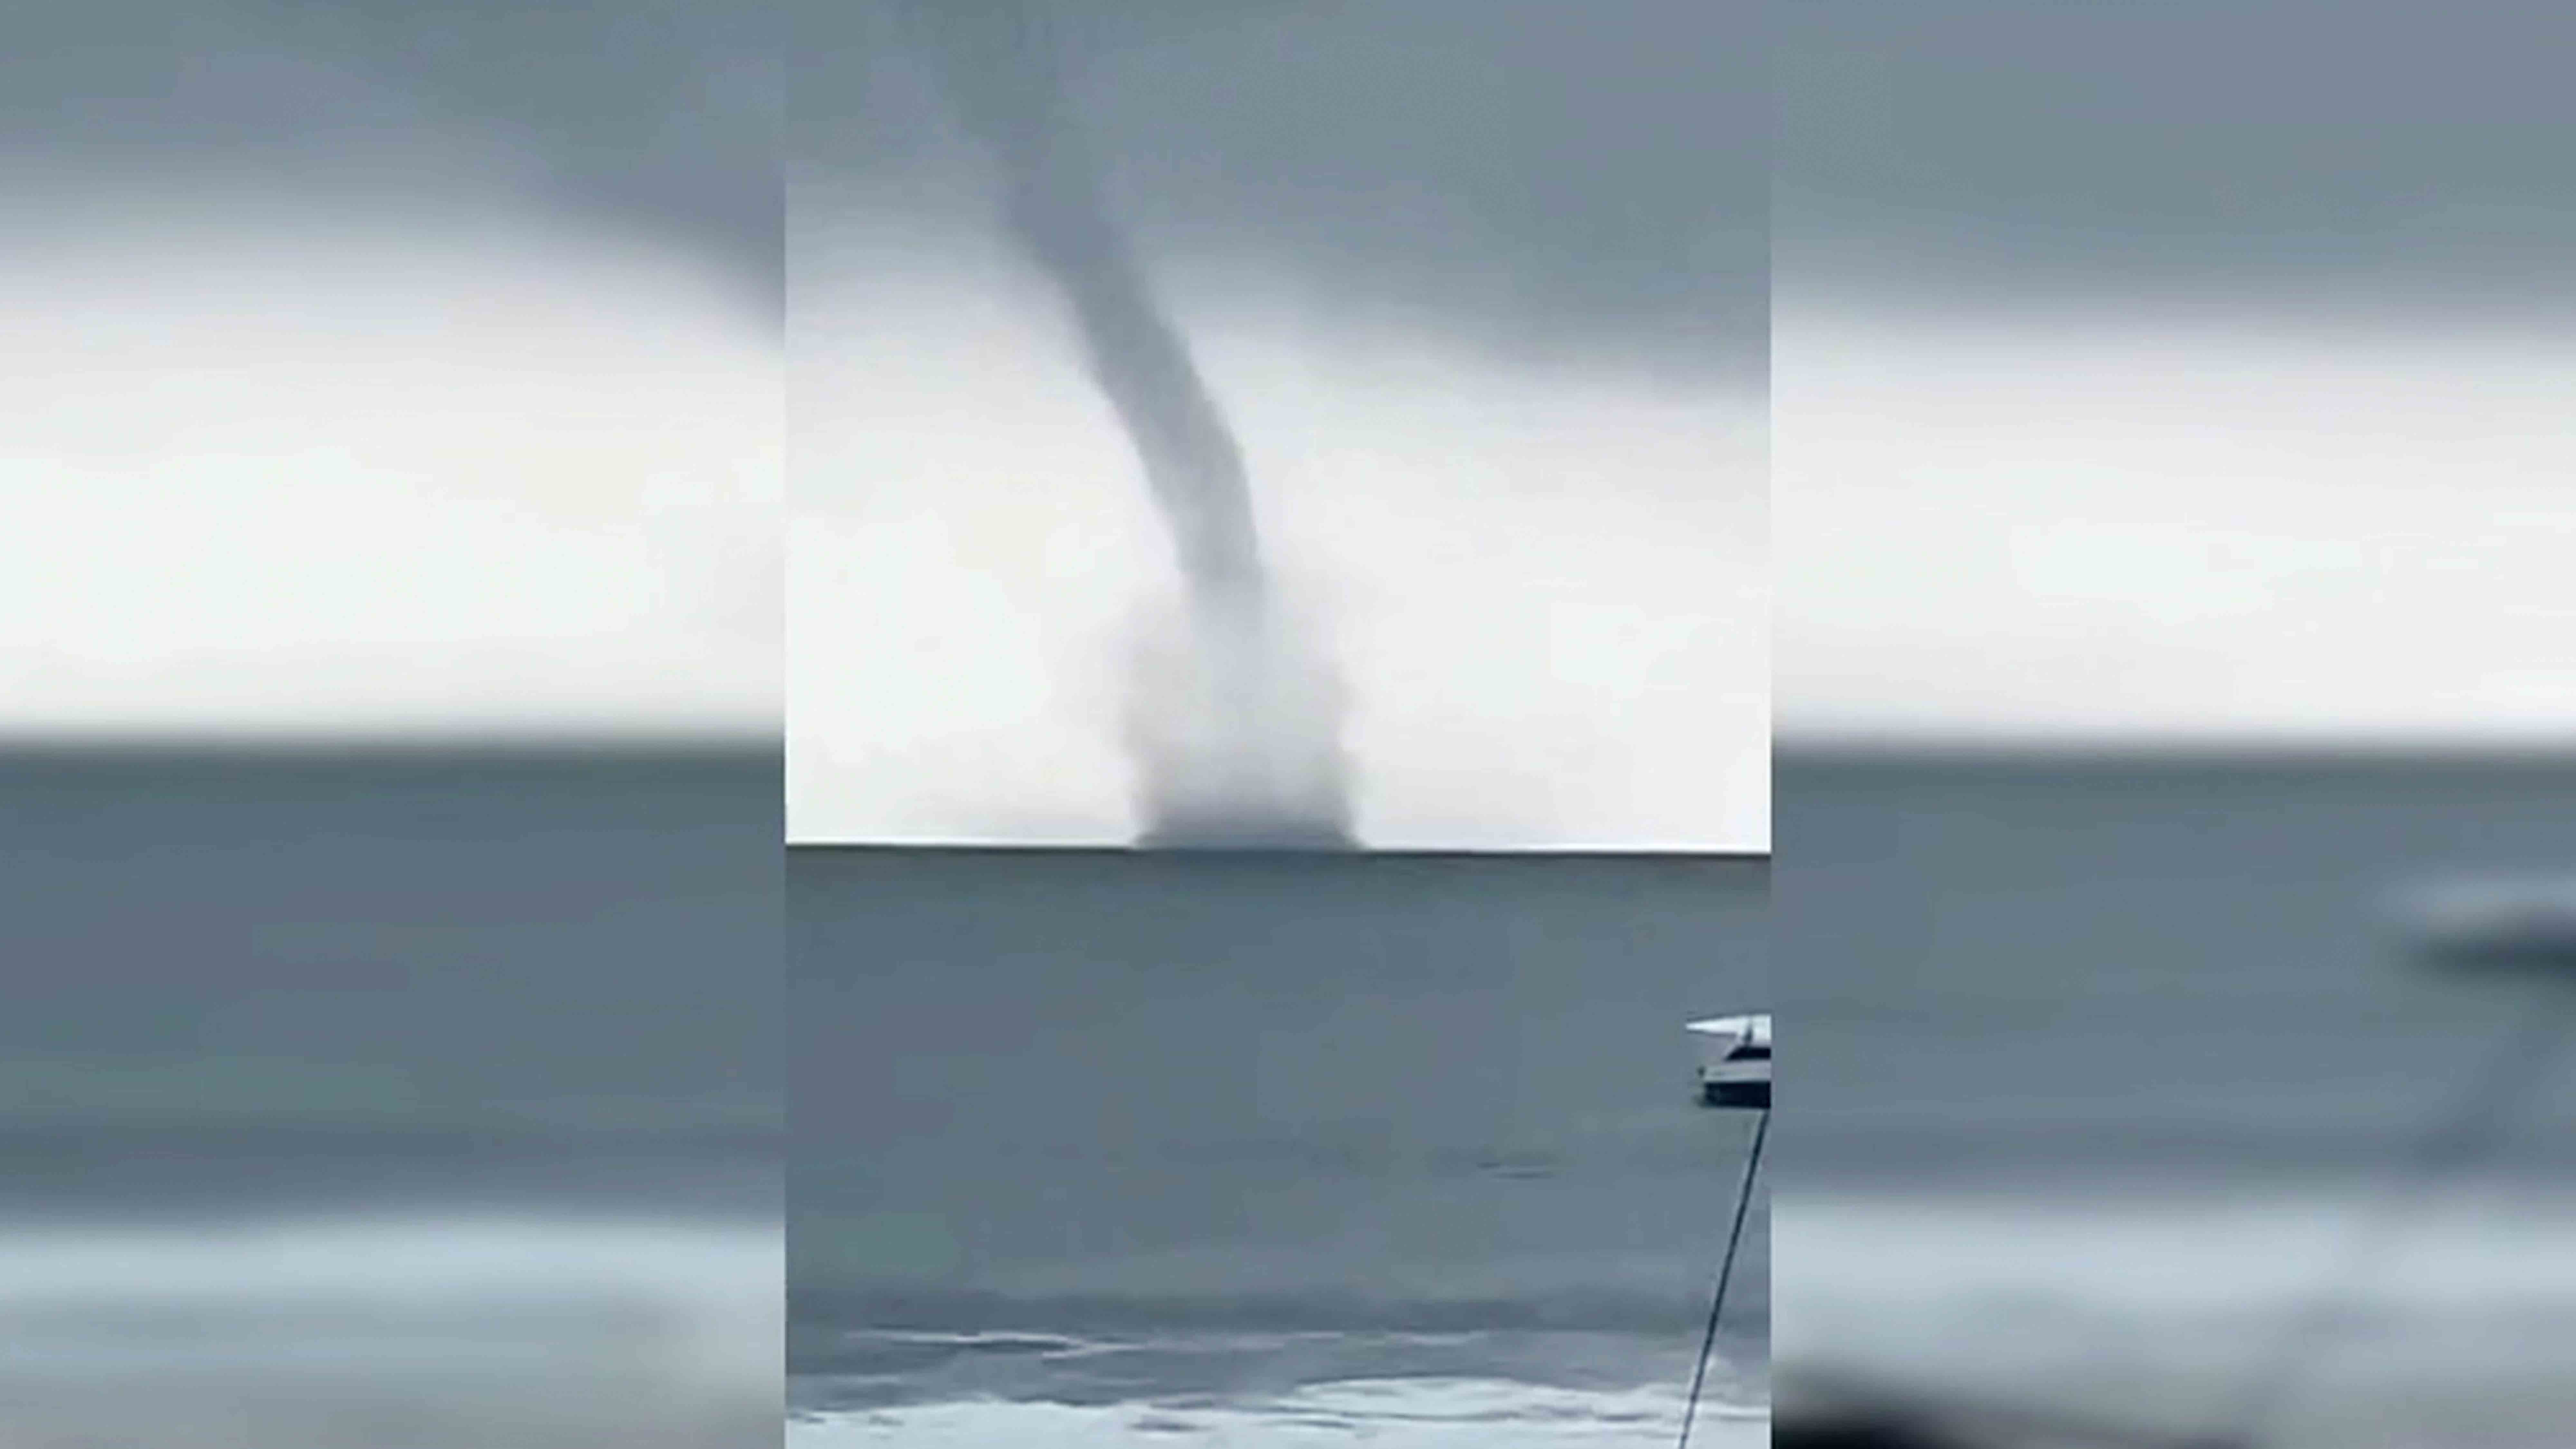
pixel 2170 531
pixel 388 619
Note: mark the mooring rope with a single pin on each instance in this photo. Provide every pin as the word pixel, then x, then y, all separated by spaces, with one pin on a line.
pixel 1725 1272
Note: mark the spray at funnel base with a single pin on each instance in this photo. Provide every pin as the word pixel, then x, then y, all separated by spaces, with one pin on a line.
pixel 1236 735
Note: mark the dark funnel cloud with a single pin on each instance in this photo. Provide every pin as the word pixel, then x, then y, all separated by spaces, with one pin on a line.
pixel 999 64
pixel 1233 726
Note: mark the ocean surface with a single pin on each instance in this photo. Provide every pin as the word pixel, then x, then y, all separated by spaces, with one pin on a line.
pixel 457 1076
pixel 2099 1069
pixel 364 1098
pixel 1107 1146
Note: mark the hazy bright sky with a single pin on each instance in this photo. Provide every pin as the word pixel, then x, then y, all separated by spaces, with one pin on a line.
pixel 1547 599
pixel 2116 526
pixel 364 484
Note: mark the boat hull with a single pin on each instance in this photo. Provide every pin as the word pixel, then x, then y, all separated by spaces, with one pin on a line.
pixel 1735 1094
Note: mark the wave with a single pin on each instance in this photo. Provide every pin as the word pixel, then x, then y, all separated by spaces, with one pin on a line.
pixel 1387 1413
pixel 876 1370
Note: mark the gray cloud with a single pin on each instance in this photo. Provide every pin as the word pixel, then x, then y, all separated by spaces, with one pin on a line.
pixel 2375 152
pixel 658 119
pixel 1564 182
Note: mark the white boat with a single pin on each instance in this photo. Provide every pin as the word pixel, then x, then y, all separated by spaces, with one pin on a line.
pixel 1734 1060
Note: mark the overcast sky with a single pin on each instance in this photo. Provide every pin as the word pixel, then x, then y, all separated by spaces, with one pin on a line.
pixel 1482 288
pixel 2141 369
pixel 389 370
pixel 2194 369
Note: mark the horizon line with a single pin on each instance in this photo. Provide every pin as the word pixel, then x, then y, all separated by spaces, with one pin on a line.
pixel 1105 847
